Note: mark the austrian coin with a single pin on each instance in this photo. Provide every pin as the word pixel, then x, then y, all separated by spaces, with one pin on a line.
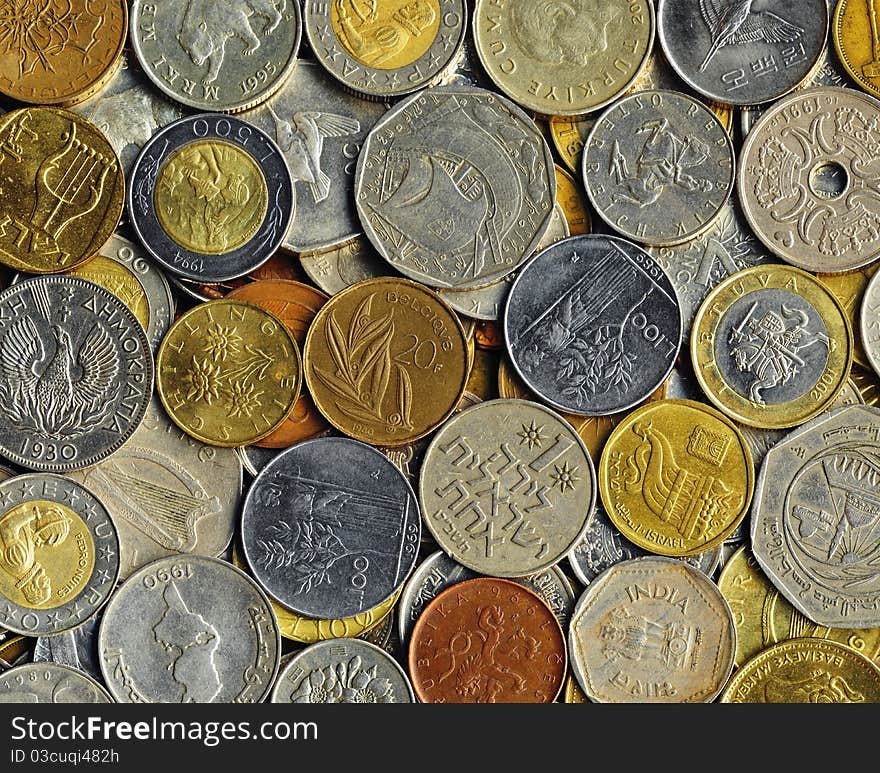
pixel 455 187
pixel 50 683
pixel 856 35
pixel 210 197
pixel 652 630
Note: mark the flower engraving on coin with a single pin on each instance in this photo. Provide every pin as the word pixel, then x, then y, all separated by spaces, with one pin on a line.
pixel 562 32
pixel 222 342
pixel 347 683
pixel 237 385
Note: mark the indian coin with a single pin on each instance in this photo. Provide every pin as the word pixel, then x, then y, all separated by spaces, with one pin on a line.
pixel 217 57
pixel 210 197
pixel 805 671
pixel 771 346
pixel 49 683
pixel 652 630
pixel 741 53
pixel 869 322
pixel 487 640
pixel 386 361
pixel 60 558
pixel 849 288
pixel 228 373
pixel 564 59
pixel 466 230
pixel 77 648
pixel 805 169
pixel 388 49
pixel 335 270
pixel 574 205
pixel 330 528
pixel 63 190
pixel 342 671
pixel 856 36
pixel 592 325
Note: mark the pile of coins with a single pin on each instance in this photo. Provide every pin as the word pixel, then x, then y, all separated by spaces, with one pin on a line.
pixel 428 350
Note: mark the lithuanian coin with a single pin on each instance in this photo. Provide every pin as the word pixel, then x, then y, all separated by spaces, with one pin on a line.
pixel 564 59
pixel 574 205
pixel 805 671
pixel 225 57
pixel 330 528
pixel 77 648
pixel 339 268
pixel 388 49
pixel 738 54
pixel 869 323
pixel 466 230
pixel 652 630
pixel 814 530
pixel 530 499
pixel 228 373
pixel 483 615
pixel 592 325
pixel 210 197
pixel 771 346
pixel 63 190
pixel 856 37
pixel 49 683
pixel 60 558
pixel 805 170
pixel 386 361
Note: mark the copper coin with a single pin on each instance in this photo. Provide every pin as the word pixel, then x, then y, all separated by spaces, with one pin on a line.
pixel 295 304
pixel 487 640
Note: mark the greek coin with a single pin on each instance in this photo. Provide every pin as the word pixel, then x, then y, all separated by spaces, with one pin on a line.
pixel 529 499
pixel 296 305
pixel 574 204
pixel 335 270
pixel 342 671
pixel 77 648
pixel 564 59
pixel 330 528
pixel 487 640
pixel 771 346
pixel 388 49
pixel 210 197
pixel 869 323
pixel 805 671
pixel 592 325
pixel 814 521
pixel 849 288
pixel 455 187
pixel 205 634
pixel 63 190
pixel 652 630
pixel 50 683
pixel 658 167
pixel 739 52
pixel 386 361
pixel 76 373
pixel 60 558
pixel 60 53
pixel 228 373
pixel 856 36
pixel 217 57
pixel 804 170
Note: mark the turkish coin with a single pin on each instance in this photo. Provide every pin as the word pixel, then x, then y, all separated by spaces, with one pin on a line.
pixel 49 683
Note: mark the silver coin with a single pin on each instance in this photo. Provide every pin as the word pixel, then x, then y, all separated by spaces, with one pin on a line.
pixel 189 629
pixel 254 458
pixel 77 648
pixel 194 180
pixel 76 373
pixel 593 325
pixel 343 671
pixel 869 322
pixel 320 129
pixel 467 69
pixel 334 270
pixel 49 683
pixel 455 187
pixel 60 554
pixel 330 528
pixel 739 52
pixel 216 56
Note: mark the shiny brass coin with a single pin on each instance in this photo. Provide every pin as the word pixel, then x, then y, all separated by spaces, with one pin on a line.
pixel 855 30
pixel 676 477
pixel 573 693
pixel 849 289
pixel 14 648
pixel 62 190
pixel 119 280
pixel 228 373
pixel 570 196
pixel 386 361
pixel 771 346
pixel 483 379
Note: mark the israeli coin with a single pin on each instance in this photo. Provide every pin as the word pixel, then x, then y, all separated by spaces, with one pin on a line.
pixel 856 37
pixel 50 683
pixel 334 270
pixel 77 648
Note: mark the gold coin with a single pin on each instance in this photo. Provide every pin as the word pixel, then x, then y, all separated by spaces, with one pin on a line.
pixel 805 671
pixel 12 649
pixel 228 373
pixel 571 197
pixel 676 477
pixel 849 289
pixel 771 346
pixel 483 379
pixel 61 190
pixel 573 693
pixel 119 280
pixel 386 361
pixel 856 33
pixel 867 385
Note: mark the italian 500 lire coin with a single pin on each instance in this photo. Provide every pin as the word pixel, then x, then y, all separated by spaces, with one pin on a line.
pixel 50 683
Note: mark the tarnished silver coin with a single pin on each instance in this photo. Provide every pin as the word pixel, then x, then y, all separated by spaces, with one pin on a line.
pixel 334 270
pixel 743 52
pixel 216 56
pixel 869 322
pixel 189 629
pixel 77 648
pixel 455 187
pixel 330 528
pixel 593 325
pixel 76 373
pixel 49 683
pixel 342 671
